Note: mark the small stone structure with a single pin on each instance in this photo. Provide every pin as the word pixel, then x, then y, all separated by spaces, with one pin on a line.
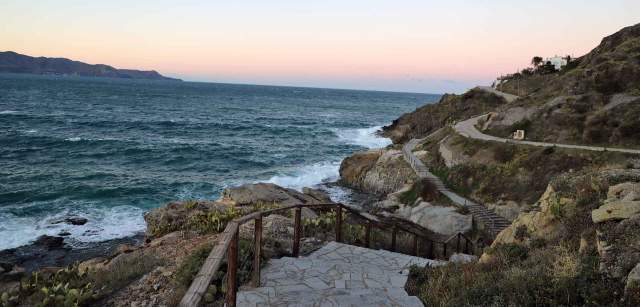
pixel 518 135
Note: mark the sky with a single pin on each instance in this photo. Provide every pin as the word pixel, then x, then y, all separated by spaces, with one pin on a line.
pixel 401 45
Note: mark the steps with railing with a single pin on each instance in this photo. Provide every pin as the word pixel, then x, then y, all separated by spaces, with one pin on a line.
pixel 228 244
pixel 492 221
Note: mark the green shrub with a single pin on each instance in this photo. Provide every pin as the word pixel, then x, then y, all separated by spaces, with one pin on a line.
pixel 553 276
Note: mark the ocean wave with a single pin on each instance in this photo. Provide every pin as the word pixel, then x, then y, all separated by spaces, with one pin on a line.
pixel 307 176
pixel 8 112
pixel 103 224
pixel 365 137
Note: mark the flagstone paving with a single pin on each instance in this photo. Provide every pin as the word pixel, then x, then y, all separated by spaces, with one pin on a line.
pixel 336 275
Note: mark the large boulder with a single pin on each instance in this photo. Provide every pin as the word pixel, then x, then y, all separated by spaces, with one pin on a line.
pixel 379 171
pixel 623 202
pixel 618 221
pixel 270 194
pixel 540 223
pixel 445 221
pixel 618 210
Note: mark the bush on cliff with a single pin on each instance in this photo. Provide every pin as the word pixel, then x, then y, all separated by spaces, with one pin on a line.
pixel 517 276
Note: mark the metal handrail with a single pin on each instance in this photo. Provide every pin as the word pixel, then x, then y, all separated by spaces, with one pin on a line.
pixel 228 245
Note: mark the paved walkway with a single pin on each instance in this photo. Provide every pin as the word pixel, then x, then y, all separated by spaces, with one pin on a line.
pixel 494 222
pixel 467 128
pixel 506 96
pixel 336 275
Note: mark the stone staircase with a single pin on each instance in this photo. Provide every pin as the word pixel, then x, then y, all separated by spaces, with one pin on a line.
pixel 336 275
pixel 492 221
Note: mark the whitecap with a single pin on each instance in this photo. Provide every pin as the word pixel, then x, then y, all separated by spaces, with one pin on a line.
pixel 307 175
pixel 73 139
pixel 103 224
pixel 365 137
pixel 8 112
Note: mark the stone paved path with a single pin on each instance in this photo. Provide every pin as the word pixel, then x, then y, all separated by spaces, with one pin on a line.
pixel 336 275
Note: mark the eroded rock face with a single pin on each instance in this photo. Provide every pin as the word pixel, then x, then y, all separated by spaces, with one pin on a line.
pixel 541 223
pixel 268 194
pixel 618 221
pixel 377 171
pixel 441 220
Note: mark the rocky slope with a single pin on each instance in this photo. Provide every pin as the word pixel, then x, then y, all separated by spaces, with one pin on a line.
pixel 157 272
pixel 594 100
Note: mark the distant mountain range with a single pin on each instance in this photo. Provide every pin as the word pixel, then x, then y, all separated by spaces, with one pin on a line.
pixel 12 62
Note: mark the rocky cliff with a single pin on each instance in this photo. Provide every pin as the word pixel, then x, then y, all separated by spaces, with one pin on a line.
pixel 11 62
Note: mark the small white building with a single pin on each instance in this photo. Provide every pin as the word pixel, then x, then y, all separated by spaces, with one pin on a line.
pixel 557 61
pixel 518 135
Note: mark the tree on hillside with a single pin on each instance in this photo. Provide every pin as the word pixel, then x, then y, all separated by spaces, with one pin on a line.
pixel 536 61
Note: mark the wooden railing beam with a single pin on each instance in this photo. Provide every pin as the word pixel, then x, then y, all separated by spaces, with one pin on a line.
pixel 232 271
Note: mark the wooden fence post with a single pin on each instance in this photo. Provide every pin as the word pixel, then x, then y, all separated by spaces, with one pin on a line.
pixel 367 235
pixel 338 224
pixel 296 232
pixel 394 234
pixel 232 270
pixel 444 249
pixel 431 252
pixel 257 251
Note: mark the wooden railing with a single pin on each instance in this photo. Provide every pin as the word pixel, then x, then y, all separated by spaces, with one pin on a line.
pixel 229 242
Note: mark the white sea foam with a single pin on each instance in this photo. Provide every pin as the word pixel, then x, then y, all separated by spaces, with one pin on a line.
pixel 308 175
pixel 8 112
pixel 365 137
pixel 73 139
pixel 103 224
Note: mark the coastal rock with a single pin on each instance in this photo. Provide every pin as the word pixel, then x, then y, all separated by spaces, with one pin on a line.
pixel 184 216
pixel 74 220
pixel 441 220
pixel 462 258
pixel 618 210
pixel 277 234
pixel 320 195
pixel 633 279
pixel 269 194
pixel 49 242
pixel 616 242
pixel 379 171
pixel 15 273
pixel 541 223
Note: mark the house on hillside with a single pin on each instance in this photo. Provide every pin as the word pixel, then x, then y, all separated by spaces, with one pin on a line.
pixel 557 61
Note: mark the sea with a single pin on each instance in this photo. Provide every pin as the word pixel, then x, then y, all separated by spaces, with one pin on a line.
pixel 109 150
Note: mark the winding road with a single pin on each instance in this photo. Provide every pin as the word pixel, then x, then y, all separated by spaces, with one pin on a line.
pixel 467 128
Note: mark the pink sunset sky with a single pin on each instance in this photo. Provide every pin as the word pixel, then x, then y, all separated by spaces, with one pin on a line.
pixel 401 45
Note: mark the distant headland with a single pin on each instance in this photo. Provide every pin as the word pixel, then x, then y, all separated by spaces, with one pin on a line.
pixel 12 62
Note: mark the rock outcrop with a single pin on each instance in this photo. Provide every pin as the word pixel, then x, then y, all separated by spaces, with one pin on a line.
pixel 542 222
pixel 270 194
pixel 445 221
pixel 377 171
